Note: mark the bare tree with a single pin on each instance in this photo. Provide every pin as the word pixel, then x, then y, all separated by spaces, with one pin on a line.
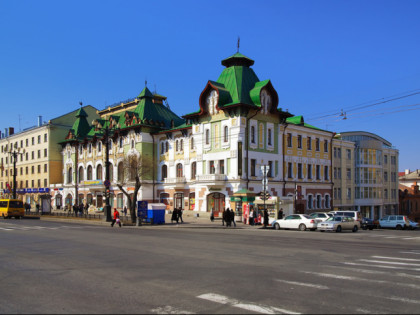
pixel 136 170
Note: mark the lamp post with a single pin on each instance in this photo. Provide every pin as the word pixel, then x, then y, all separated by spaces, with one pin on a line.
pixel 107 208
pixel 15 153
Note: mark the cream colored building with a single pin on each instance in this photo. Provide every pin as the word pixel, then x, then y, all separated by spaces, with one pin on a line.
pixel 39 160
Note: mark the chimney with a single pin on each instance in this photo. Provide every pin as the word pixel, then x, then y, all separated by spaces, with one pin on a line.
pixel 407 172
pixel 39 121
pixel 11 131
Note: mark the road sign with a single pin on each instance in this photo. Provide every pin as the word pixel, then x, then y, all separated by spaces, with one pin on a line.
pixel 107 183
pixel 142 209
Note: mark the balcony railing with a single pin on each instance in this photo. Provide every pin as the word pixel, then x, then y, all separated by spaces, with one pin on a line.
pixel 212 177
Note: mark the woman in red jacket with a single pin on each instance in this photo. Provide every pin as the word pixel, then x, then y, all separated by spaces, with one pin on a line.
pixel 116 218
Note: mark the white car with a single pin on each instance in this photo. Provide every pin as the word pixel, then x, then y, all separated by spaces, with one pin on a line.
pixel 339 224
pixel 320 216
pixel 295 221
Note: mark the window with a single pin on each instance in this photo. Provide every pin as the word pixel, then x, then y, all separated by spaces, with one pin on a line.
pixel 33 170
pixel 327 201
pixel 317 144
pixel 385 176
pixel 39 139
pixel 45 182
pixel 90 148
pixel 99 147
pixel 39 154
pixel 299 138
pixel 339 153
pixel 132 143
pixel 69 176
pixel 89 172
pixel 349 173
pixel 179 172
pixel 309 143
pixel 120 175
pixel 181 145
pixel 289 140
pixel 269 137
pixel 39 169
pixel 166 146
pixel 339 172
pixel 348 193
pixel 270 169
pixel 325 145
pixel 348 154
pixel 193 170
pixel 339 193
pixel 225 134
pixel 318 172
pixel 99 172
pixel 326 173
pixel 385 159
pixel 192 143
pixel 162 148
pixel 164 172
pixel 45 153
pixel 27 170
pixel 309 171
pixel 212 167
pixel 300 171
pixel 318 201
pixel 81 173
pixel 253 166
pixel 289 170
pixel 207 136
pixel 310 202
pixel 45 137
pixel 222 166
pixel 252 134
pixel 33 155
pixel 27 142
pixel 120 142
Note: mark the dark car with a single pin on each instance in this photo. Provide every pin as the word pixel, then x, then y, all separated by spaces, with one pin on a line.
pixel 369 224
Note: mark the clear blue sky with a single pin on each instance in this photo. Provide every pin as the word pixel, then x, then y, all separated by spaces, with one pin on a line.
pixel 321 56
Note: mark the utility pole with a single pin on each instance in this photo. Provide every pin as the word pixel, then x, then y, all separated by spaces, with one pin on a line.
pixel 107 208
pixel 15 153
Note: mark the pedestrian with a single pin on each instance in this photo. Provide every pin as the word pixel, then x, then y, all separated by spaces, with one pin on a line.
pixel 212 215
pixel 125 211
pixel 180 214
pixel 87 207
pixel 280 214
pixel 116 218
pixel 29 208
pixel 227 217
pixel 251 217
pixel 265 218
pixel 174 215
pixel 37 208
pixel 223 217
pixel 232 217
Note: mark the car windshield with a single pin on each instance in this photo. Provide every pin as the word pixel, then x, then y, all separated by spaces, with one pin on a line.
pixel 334 219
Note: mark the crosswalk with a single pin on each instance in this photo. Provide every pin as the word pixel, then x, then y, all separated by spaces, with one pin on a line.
pixel 400 271
pixel 414 236
pixel 9 227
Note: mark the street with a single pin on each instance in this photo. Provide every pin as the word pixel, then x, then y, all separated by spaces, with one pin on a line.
pixel 65 267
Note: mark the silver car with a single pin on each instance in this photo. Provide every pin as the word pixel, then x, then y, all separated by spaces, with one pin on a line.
pixel 338 224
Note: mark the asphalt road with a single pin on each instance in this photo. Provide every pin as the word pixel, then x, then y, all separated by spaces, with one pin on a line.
pixel 62 267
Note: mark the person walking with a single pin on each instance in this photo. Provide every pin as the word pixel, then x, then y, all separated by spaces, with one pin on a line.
pixel 232 217
pixel 227 217
pixel 212 215
pixel 125 211
pixel 251 217
pixel 174 216
pixel 265 218
pixel 180 214
pixel 116 218
pixel 280 214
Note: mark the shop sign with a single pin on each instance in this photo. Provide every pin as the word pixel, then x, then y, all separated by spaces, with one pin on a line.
pixel 35 190
pixel 236 199
pixel 29 190
pixel 91 182
pixel 42 190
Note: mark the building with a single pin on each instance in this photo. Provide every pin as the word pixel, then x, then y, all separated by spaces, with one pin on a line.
pixel 375 164
pixel 39 162
pixel 409 196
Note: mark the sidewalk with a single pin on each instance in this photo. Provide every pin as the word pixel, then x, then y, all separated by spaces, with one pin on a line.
pixel 191 220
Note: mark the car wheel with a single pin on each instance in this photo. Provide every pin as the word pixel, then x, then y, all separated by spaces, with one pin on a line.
pixel 355 228
pixel 338 230
pixel 277 226
pixel 302 227
pixel 371 228
pixel 399 227
pixel 365 228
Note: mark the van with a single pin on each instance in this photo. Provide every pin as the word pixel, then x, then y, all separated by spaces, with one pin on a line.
pixel 11 208
pixel 399 222
pixel 356 215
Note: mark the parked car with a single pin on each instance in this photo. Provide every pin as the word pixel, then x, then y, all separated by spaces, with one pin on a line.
pixel 338 224
pixel 320 216
pixel 413 225
pixel 356 215
pixel 295 221
pixel 399 222
pixel 369 224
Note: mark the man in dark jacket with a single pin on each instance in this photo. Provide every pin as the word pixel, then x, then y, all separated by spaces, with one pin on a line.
pixel 265 218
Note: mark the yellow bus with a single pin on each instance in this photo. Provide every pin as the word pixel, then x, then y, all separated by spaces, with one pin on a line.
pixel 11 208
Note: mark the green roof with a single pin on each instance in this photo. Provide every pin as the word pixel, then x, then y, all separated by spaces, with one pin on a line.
pixel 298 120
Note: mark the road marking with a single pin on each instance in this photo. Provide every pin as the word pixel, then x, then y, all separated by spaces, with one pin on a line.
pixel 389 262
pixel 395 258
pixel 316 286
pixel 411 238
pixel 213 297
pixel 413 253
pixel 380 266
pixel 169 310
pixel 400 274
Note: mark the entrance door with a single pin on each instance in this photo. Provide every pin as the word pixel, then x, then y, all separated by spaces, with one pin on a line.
pixel 216 201
pixel 179 201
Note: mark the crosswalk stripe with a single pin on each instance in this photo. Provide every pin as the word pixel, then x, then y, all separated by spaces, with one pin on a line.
pixel 389 262
pixel 396 258
pixel 213 297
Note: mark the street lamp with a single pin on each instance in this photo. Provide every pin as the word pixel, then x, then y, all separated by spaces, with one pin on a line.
pixel 15 153
pixel 107 208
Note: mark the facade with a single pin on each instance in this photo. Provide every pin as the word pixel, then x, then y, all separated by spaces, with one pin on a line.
pixel 204 159
pixel 409 195
pixel 39 162
pixel 375 174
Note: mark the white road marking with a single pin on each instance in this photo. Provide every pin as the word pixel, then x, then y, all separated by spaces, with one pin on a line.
pixel 396 258
pixel 316 286
pixel 169 310
pixel 411 238
pixel 413 253
pixel 400 274
pixel 389 262
pixel 245 306
pixel 380 266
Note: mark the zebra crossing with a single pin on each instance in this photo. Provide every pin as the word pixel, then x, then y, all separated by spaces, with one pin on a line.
pixel 10 227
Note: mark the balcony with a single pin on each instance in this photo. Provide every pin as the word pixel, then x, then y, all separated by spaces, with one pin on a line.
pixel 213 180
pixel 177 181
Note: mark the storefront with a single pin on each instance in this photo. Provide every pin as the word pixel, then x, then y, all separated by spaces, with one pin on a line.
pixel 243 202
pixel 216 202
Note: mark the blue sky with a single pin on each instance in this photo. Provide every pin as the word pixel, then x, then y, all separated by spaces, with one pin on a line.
pixel 321 56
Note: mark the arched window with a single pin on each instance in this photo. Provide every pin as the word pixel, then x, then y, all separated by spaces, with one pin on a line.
pixel 225 134
pixel 327 201
pixel 99 172
pixel 318 201
pixel 207 136
pixel 132 143
pixel 310 202
pixel 176 146
pixel 193 170
pixel 81 173
pixel 252 134
pixel 179 171
pixel 120 142
pixel 120 171
pixel 89 172
pixel 164 172
pixel 167 146
pixel 70 175
pixel 181 145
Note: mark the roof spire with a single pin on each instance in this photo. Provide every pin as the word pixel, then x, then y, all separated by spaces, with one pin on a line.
pixel 145 82
pixel 239 39
pixel 81 104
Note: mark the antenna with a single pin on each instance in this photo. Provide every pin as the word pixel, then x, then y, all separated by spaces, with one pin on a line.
pixel 239 40
pixel 20 129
